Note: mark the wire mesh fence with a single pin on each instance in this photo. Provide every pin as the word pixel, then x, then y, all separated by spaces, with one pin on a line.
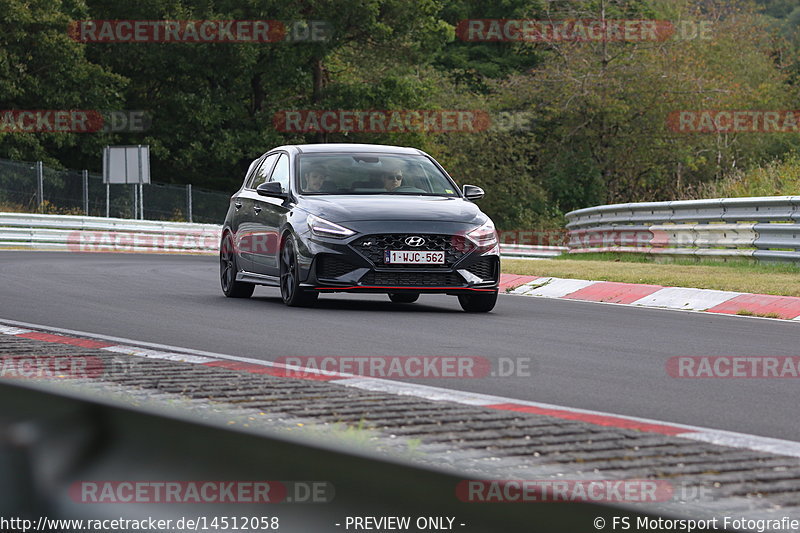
pixel 18 186
pixel 62 190
pixel 34 188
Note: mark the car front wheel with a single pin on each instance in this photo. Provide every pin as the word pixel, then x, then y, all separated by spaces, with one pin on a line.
pixel 481 302
pixel 292 294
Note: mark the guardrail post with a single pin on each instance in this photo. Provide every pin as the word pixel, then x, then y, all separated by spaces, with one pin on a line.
pixel 40 185
pixel 141 187
pixel 189 201
pixel 86 192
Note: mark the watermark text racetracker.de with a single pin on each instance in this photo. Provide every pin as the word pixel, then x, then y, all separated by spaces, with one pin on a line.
pixel 405 367
pixel 734 367
pixel 73 121
pixel 199 31
pixel 201 492
pixel 581 30
pixel 64 367
pixel 123 241
pixel 734 121
pixel 628 491
pixel 564 490
pixel 268 242
pixel 60 367
pixel 533 237
pixel 51 367
pixel 400 120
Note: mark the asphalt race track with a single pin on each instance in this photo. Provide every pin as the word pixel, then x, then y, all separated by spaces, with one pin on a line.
pixel 585 355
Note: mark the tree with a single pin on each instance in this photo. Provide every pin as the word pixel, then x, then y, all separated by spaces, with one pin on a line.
pixel 603 107
pixel 41 68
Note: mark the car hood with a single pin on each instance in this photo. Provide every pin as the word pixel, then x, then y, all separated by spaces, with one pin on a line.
pixel 349 208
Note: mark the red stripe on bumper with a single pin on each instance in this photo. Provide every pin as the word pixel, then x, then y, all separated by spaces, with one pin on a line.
pixel 402 288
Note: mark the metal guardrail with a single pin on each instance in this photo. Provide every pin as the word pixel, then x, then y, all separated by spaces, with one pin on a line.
pixel 99 234
pixel 764 228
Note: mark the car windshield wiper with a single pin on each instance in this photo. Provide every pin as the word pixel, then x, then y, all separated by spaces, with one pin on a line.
pixel 410 193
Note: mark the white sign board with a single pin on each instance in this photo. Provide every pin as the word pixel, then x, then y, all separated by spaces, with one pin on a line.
pixel 126 164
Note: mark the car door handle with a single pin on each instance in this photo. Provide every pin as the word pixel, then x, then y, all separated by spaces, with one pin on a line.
pixel 237 205
pixel 256 209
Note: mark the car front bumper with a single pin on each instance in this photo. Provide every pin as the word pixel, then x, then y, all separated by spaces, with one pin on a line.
pixel 356 264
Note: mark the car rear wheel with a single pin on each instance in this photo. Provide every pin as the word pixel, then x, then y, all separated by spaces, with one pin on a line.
pixel 292 294
pixel 228 270
pixel 481 302
pixel 403 297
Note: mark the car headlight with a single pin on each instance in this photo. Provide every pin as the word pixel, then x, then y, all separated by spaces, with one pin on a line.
pixel 324 228
pixel 484 237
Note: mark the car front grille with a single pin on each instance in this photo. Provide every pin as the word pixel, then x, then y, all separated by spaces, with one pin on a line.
pixel 412 279
pixel 373 246
pixel 330 266
pixel 484 268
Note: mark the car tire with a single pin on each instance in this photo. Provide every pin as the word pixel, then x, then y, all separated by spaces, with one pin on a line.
pixel 404 297
pixel 481 302
pixel 291 292
pixel 228 270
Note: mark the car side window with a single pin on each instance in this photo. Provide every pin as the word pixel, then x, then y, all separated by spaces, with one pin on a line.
pixel 251 170
pixel 261 173
pixel 281 172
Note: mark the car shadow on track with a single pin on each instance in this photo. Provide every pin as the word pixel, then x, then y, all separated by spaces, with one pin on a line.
pixel 349 304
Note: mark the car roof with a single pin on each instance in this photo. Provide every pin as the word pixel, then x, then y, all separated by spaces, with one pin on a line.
pixel 333 148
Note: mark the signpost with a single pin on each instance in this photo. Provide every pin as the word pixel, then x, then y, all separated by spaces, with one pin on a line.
pixel 127 165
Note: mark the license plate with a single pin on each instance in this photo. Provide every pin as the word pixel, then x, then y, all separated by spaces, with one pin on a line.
pixel 407 257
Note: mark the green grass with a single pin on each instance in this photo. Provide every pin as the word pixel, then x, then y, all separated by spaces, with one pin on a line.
pixel 745 265
pixel 745 312
pixel 734 275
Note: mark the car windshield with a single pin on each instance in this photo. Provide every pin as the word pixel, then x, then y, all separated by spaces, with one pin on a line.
pixel 372 174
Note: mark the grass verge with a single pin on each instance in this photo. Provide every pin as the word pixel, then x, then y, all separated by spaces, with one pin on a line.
pixel 739 276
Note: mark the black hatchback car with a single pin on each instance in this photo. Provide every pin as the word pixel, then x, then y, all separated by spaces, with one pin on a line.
pixel 358 218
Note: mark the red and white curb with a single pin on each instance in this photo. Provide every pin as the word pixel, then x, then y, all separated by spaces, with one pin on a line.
pixel 190 356
pixel 712 301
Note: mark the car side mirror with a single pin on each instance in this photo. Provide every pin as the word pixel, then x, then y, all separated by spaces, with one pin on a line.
pixel 472 192
pixel 272 189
